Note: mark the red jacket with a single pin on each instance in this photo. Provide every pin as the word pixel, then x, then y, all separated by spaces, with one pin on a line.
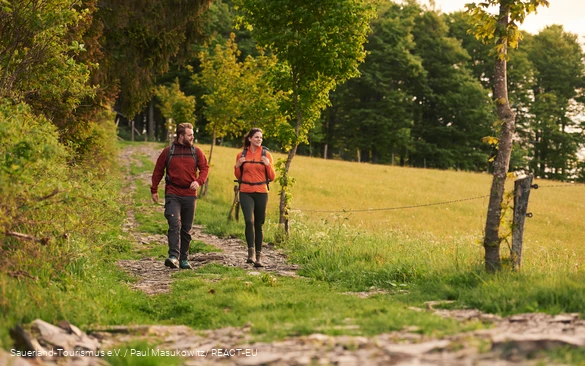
pixel 181 170
pixel 254 172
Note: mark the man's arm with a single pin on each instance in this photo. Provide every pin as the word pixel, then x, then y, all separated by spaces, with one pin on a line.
pixel 203 167
pixel 158 173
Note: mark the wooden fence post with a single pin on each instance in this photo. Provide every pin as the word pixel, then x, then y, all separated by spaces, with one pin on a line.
pixel 521 193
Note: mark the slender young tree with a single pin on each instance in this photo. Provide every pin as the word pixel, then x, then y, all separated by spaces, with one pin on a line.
pixel 500 29
pixel 319 44
pixel 220 77
pixel 236 94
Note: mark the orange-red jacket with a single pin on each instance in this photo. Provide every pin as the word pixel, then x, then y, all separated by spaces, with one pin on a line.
pixel 254 172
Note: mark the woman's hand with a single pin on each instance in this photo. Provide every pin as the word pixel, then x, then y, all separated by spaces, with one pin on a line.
pixel 265 160
pixel 240 161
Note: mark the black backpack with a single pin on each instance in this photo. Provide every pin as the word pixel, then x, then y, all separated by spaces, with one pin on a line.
pixel 171 154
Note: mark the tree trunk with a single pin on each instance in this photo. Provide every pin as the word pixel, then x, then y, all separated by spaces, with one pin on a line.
pixel 212 145
pixel 151 120
pixel 491 241
pixel 284 196
pixel 205 187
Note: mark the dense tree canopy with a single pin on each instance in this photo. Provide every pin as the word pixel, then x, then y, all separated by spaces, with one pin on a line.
pixel 422 97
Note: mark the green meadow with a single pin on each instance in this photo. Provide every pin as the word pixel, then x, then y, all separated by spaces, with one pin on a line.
pixel 354 226
pixel 413 254
pixel 378 200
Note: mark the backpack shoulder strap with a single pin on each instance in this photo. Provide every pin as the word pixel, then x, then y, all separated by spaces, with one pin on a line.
pixel 264 150
pixel 194 153
pixel 244 152
pixel 171 152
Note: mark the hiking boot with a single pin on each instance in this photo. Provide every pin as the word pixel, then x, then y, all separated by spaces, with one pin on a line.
pixel 172 262
pixel 185 264
pixel 258 262
pixel 251 255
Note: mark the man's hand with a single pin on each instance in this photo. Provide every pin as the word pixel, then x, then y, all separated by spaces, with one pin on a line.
pixel 194 186
pixel 155 197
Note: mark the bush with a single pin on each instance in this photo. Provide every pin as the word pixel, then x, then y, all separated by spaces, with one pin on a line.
pixel 52 203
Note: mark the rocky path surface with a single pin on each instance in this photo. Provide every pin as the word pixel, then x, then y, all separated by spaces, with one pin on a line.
pixel 513 340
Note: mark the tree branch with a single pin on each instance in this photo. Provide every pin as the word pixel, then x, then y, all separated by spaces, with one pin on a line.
pixel 21 236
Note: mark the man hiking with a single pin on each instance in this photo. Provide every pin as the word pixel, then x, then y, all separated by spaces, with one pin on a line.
pixel 181 161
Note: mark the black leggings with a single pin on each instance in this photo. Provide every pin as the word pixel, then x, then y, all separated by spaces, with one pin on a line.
pixel 254 210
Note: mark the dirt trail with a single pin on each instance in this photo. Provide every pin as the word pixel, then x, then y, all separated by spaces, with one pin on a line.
pixel 508 342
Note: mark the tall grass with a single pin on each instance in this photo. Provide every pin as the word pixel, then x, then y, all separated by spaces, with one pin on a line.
pixel 433 250
pixel 553 236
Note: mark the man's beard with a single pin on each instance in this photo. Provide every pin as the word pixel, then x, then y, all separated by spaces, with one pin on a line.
pixel 187 143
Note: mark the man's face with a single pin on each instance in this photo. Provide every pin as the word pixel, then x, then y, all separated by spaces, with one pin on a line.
pixel 187 138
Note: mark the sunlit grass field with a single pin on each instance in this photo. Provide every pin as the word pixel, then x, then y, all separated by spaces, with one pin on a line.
pixel 553 236
pixel 417 253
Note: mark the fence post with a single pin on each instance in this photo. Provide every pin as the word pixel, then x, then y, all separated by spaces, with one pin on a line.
pixel 521 193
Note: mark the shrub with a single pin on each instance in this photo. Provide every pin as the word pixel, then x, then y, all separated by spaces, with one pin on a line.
pixel 51 208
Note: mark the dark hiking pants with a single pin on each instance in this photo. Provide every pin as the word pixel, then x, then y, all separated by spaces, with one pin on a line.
pixel 179 212
pixel 254 210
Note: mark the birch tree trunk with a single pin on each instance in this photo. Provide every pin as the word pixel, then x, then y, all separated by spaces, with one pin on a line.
pixel 506 117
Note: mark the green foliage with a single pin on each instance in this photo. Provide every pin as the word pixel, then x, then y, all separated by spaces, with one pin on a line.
pixel 28 163
pixel 175 106
pixel 416 100
pixel 237 95
pixel 94 147
pixel 220 23
pixel 315 53
pixel 221 79
pixel 38 54
pixel 487 26
pixel 137 42
pixel 374 113
pixel 556 131
pixel 46 223
pixel 318 45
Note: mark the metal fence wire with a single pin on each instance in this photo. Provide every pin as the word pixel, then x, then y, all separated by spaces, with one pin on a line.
pixel 535 186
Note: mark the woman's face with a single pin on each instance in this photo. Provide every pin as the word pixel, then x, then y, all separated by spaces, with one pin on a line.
pixel 256 140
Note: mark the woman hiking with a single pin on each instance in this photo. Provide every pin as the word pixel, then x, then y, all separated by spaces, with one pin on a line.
pixel 254 171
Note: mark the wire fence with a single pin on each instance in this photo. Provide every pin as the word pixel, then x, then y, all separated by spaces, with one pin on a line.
pixel 394 208
pixel 535 186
